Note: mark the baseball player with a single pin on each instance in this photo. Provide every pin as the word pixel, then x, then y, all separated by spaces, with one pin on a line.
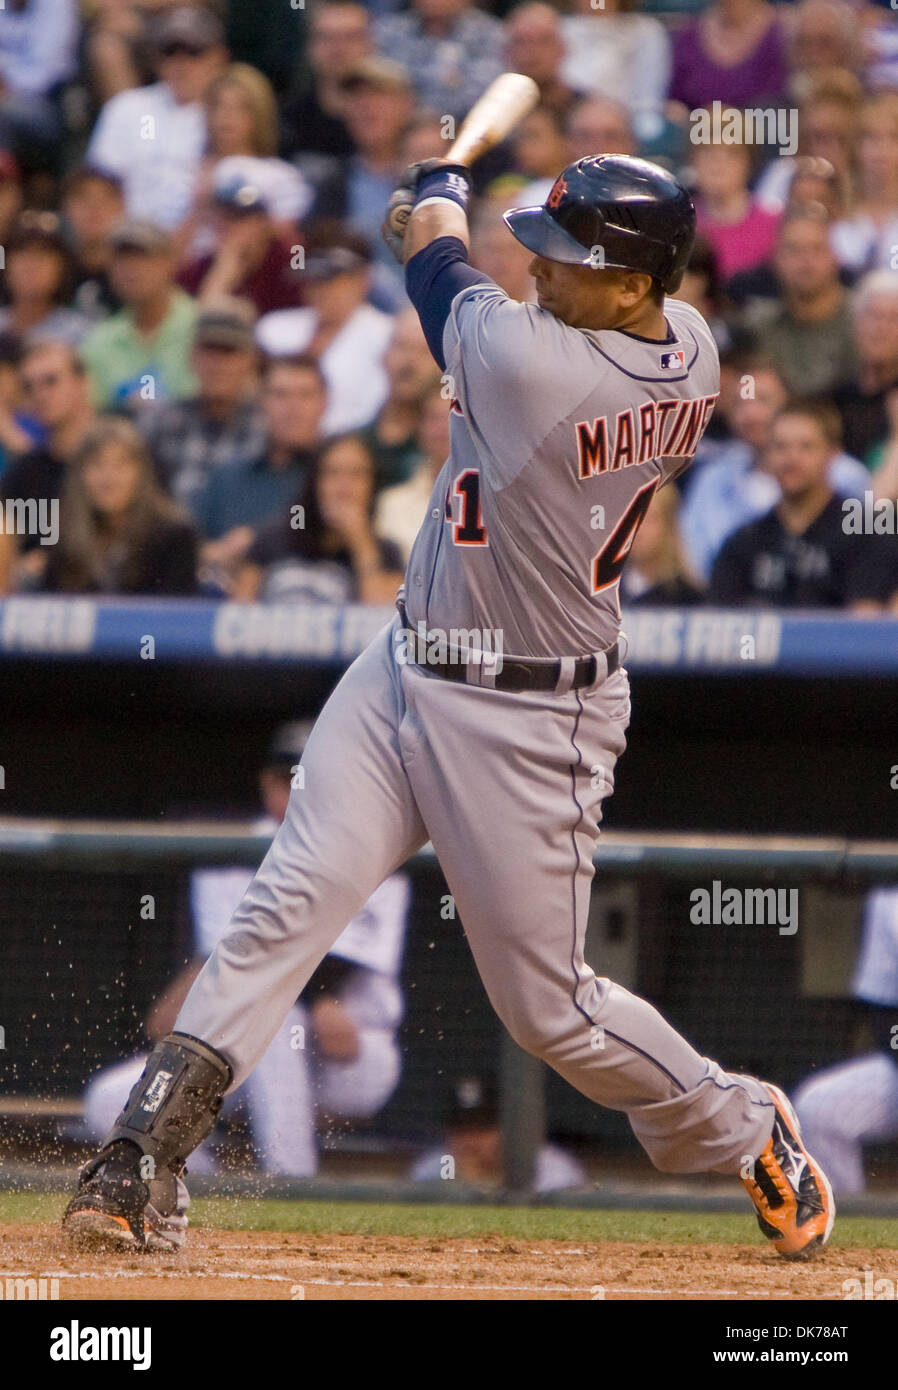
pixel 489 714
pixel 856 1102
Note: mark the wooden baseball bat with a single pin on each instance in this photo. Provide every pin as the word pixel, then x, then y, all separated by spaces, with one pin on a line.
pixel 504 104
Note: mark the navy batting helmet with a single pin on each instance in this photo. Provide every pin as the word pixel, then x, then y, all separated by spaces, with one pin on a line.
pixel 610 210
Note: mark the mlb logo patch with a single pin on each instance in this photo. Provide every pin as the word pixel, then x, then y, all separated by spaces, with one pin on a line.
pixel 673 361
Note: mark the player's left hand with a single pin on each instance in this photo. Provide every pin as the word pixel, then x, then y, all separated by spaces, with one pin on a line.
pixel 399 208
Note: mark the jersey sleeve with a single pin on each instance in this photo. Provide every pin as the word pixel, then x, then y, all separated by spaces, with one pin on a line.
pixel 506 366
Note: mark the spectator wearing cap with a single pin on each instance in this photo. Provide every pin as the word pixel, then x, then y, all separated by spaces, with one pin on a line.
pixel 236 501
pixel 378 105
pixel 37 282
pixel 452 50
pixel 339 37
pixel 337 326
pixel 56 392
pixel 807 331
pixel 120 534
pixel 251 260
pixel 862 400
pixel 142 353
pixel 154 137
pixel 472 1143
pixel 535 46
pixel 93 205
pixel 221 426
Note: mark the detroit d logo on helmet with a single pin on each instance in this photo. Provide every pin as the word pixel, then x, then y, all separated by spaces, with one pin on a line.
pixel 557 192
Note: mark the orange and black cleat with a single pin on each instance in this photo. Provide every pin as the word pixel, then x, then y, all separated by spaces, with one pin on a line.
pixel 115 1207
pixel 791 1192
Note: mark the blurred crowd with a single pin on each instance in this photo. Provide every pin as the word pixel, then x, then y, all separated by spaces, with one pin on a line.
pixel 207 359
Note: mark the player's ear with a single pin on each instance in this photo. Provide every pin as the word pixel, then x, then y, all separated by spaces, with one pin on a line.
pixel 635 286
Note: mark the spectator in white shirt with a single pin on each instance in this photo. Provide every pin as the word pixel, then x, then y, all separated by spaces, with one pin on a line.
pixel 347 335
pixel 38 43
pixel 154 137
pixel 613 52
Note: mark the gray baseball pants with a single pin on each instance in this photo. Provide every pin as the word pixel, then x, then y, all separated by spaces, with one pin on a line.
pixel 508 787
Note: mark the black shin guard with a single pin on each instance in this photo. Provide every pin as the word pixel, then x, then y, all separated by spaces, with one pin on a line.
pixel 173 1106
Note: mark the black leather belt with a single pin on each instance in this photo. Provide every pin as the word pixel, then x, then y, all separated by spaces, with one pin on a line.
pixel 516 673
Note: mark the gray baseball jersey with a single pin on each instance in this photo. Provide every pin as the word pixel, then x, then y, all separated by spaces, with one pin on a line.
pixel 559 439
